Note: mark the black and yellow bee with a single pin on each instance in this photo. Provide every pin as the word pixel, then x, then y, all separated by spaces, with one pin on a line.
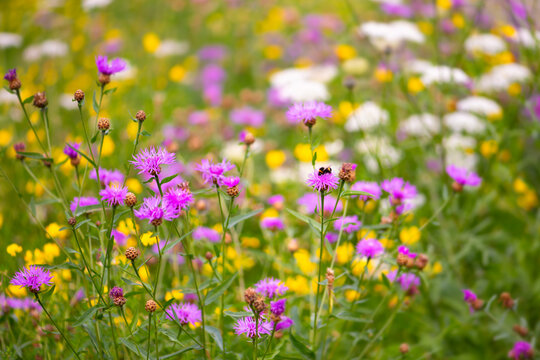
pixel 324 170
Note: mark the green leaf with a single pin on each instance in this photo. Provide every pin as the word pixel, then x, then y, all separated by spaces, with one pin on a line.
pixel 168 178
pixel 131 346
pixel 313 159
pixel 172 244
pixel 145 133
pixel 348 316
pixel 44 296
pixel 83 155
pixel 237 314
pixel 301 347
pixel 216 335
pixel 94 103
pixel 28 100
pixel 79 224
pixel 216 292
pixel 94 138
pixel 129 282
pixel 356 193
pixel 85 316
pixel 175 354
pixel 242 217
pixel 109 91
pixel 34 155
pixel 84 209
pixel 315 226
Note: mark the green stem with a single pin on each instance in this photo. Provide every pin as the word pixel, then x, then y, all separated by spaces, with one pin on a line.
pixel 321 245
pixel 129 329
pixel 113 332
pixel 29 122
pixel 110 241
pixel 149 335
pixel 270 340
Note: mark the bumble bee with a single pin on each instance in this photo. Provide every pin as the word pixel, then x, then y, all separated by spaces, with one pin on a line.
pixel 324 170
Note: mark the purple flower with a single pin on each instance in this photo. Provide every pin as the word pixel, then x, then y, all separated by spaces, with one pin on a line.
pixel 521 350
pixel 172 169
pixel 198 118
pixel 469 296
pixel 285 323
pixel 367 186
pixel 230 181
pixel 247 116
pixel 399 190
pixel 247 326
pixel 212 74
pixel 331 237
pixel 278 307
pixel 213 173
pixel 119 237
pixel 11 75
pixel 408 281
pixel 213 94
pixel 185 313
pixel 519 9
pixel 272 223
pixel 156 210
pixel 349 224
pixel 402 249
pixel 79 202
pixel 205 233
pixel 276 200
pixel 178 198
pixel 212 52
pixel 149 161
pixel 311 204
pixel 369 248
pixel 33 278
pixel 114 194
pixel 115 292
pixel 308 112
pixel 397 10
pixel 106 68
pixel 25 304
pixel 462 176
pixel 270 287
pixel 70 148
pixel 106 177
pixel 322 182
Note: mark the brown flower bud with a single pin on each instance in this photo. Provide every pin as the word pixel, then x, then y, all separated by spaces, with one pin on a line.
pixel 150 306
pixel 249 138
pixel 140 116
pixel 310 122
pixel 132 253
pixel 404 348
pixel 477 304
pixel 104 124
pixel 72 221
pixel 259 305
pixel 20 146
pixel 75 161
pixel 15 84
pixel 40 100
pixel 507 300
pixel 104 79
pixel 330 277
pixel 200 205
pixel 250 295
pixel 233 191
pixel 402 259
pixel 347 172
pixel 119 301
pixel 292 245
pixel 457 187
pixel 349 83
pixel 47 163
pixel 208 255
pixel 520 330
pixel 421 261
pixel 130 200
pixel 79 95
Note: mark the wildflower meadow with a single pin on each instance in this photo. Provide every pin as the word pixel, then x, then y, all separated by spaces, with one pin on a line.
pixel 267 179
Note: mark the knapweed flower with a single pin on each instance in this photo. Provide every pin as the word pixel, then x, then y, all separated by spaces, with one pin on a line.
pixel 331 237
pixel 247 116
pixel 308 112
pixel 272 223
pixel 369 248
pixel 114 194
pixel 323 182
pixel 230 181
pixel 149 161
pixel 106 177
pixel 402 249
pixel 408 281
pixel 462 177
pixel 248 327
pixel 405 257
pixel 109 68
pixel 285 323
pixel 32 278
pixel 11 75
pixel 276 201
pixel 278 307
pixel 270 287
pixel 347 172
pixel 399 190
pixel 470 298
pixel 213 173
pixel 82 201
pixel 178 198
pixel 70 150
pixel 184 313
pixel 521 350
pixel 156 210
pixel 115 292
pixel 204 233
pixel 348 224
pixel 246 137
pixel 369 187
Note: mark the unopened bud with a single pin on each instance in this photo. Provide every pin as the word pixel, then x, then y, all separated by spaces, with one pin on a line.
pixel 507 300
pixel 520 330
pixel 250 295
pixel 233 191
pixel 457 187
pixel 130 200
pixel 72 221
pixel 421 261
pixel 208 255
pixel 259 305
pixel 140 116
pixel 404 348
pixel 347 172
pixel 40 100
pixel 132 253
pixel 79 95
pixel 150 306
pixel 104 79
pixel 119 301
pixel 104 124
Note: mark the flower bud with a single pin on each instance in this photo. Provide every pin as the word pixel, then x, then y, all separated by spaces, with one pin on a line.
pixel 507 300
pixel 132 253
pixel 520 330
pixel 457 187
pixel 404 348
pixel 259 305
pixel 79 96
pixel 130 200
pixel 402 259
pixel 75 161
pixel 233 191
pixel 19 147
pixel 250 295
pixel 208 255
pixel 103 124
pixel 347 172
pixel 292 245
pixel 104 79
pixel 72 221
pixel 150 306
pixel 40 100
pixel 140 116
pixel 119 301
pixel 421 261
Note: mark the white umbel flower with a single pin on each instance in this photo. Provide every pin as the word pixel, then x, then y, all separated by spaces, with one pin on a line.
pixel 500 77
pixel 303 85
pixel 485 43
pixel 367 116
pixel 524 36
pixel 170 47
pixel 48 48
pixel 378 149
pixel 459 142
pixel 479 105
pixel 421 125
pixel 443 75
pixel 8 40
pixel 461 121
pixel 392 34
pixel 95 4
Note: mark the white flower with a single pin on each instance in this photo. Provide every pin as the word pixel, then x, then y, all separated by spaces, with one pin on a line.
pixel 500 77
pixel 8 40
pixel 235 151
pixel 459 142
pixel 334 147
pixel 94 4
pixel 48 48
pixel 171 47
pixel 378 149
pixel 283 175
pixel 66 101
pixel 304 91
pixel 128 73
pixel 417 66
pixel 302 85
pixel 463 121
pixel 462 159
pixel 525 37
pixel 7 98
pixel 367 116
pixel 479 105
pixel 485 43
pixel 422 125
pixel 391 35
pixel 443 74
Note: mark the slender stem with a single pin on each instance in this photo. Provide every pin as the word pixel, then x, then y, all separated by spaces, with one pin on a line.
pixel 256 337
pixel 246 153
pixel 437 212
pixel 270 340
pixel 139 127
pixel 321 245
pixel 156 337
pixel 110 241
pixel 149 335
pixel 156 281
pixel 29 122
pixel 56 326
pixel 129 329
pixel 158 185
pixel 113 332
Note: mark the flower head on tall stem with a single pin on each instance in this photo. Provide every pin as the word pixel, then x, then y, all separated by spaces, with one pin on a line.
pixel 521 350
pixel 107 67
pixel 115 292
pixel 278 307
pixel 11 77
pixel 184 313
pixel 106 176
pixel 308 112
pixel 369 248
pixel 214 173
pixel 247 326
pixel 149 161
pixel 270 287
pixel 71 150
pixel 399 190
pixel 32 278
pixel 156 210
pixel 323 181
pixel 178 198
pixel 114 194
pixel 462 177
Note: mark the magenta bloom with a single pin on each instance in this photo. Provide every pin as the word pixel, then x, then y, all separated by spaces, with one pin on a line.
pixel 109 68
pixel 402 249
pixel 247 326
pixel 369 248
pixel 149 161
pixel 521 350
pixel 106 177
pixel 173 169
pixel 462 176
pixel 198 118
pixel 278 307
pixel 156 210
pixel 212 74
pixel 469 296
pixel 114 194
pixel 82 201
pixel 185 313
pixel 308 111
pixel 11 75
pixel 407 281
pixel 349 224
pixel 70 148
pixel 230 181
pixel 285 323
pixel 399 190
pixel 213 173
pixel 178 198
pixel 397 10
pixel 518 9
pixel 367 186
pixel 272 223
pixel 322 182
pixel 204 233
pixel 115 292
pixel 32 278
pixel 271 287
pixel 276 200
pixel 311 204
pixel 247 116
pixel 331 237
pixel 212 52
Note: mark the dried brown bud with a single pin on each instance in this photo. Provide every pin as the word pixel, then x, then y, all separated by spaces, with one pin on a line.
pixel 132 253
pixel 404 348
pixel 15 84
pixel 40 100
pixel 150 306
pixel 402 259
pixel 228 238
pixel 457 187
pixel 72 221
pixel 347 172
pixel 310 122
pixel 421 261
pixel 349 83
pixel 75 161
pixel 140 116
pixel 200 205
pixel 477 304
pixel 330 277
pixel 249 138
pixel 208 255
pixel 259 305
pixel 507 300
pixel 104 79
pixel 250 295
pixel 130 200
pixel 119 301
pixel 520 330
pixel 292 245
pixel 79 95
pixel 104 124
pixel 233 191
pixel 20 146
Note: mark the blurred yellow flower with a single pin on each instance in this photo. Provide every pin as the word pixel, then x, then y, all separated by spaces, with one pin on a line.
pixel 444 4
pixel 151 42
pixel 134 185
pixel 108 146
pixel 273 52
pixel 177 73
pixel 147 239
pixel 270 213
pixel 298 285
pixel 489 148
pixel 345 52
pixel 410 235
pixel 275 158
pixel 415 85
pixel 13 249
pixel 458 20
pixel 303 153
pixel 250 242
pixel 425 27
pixel 514 89
pixel 303 261
pixel 344 253
pixel 176 294
pixel 528 201
pixel 50 251
pixel 383 75
pixel 520 186
pixel 53 229
pixel 5 137
pixel 16 291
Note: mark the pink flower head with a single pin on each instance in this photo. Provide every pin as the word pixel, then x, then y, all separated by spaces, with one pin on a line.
pixel 109 68
pixel 178 198
pixel 247 116
pixel 79 202
pixel 184 313
pixel 310 203
pixel 116 292
pixel 462 176
pixel 271 287
pixel 399 190
pixel 322 182
pixel 369 187
pixel 278 307
pixel 369 248
pixel 200 117
pixel 272 223
pixel 11 75
pixel 213 173
pixel 402 249
pixel 331 237
pixel 33 278
pixel 204 233
pixel 349 224
pixel 70 150
pixel 149 161
pixel 285 323
pixel 276 200
pixel 106 177
pixel 156 210
pixel 407 281
pixel 308 111
pixel 248 327
pixel 469 296
pixel 230 181
pixel 521 350
pixel 114 194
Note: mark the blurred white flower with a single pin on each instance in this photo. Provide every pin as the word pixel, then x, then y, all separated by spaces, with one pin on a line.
pixel 48 48
pixel 422 125
pixel 7 98
pixel 234 151
pixel 66 101
pixel 443 74
pixel 500 77
pixel 8 40
pixel 524 36
pixel 485 43
pixel 457 141
pixel 367 116
pixel 392 34
pixel 479 105
pixel 94 4
pixel 128 73
pixel 302 85
pixel 170 47
pixel 377 149
pixel 283 175
pixel 461 121
pixel 462 159
pixel 334 147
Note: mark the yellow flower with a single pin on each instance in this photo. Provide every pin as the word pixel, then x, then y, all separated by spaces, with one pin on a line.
pixel 528 201
pixel 5 137
pixel 177 73
pixel 410 235
pixel 151 42
pixel 54 231
pixel 147 239
pixel 425 27
pixel 108 146
pixel 344 253
pixel 356 66
pixel 275 158
pixel 415 85
pixel 345 108
pixel 250 242
pixel 458 20
pixel 444 4
pixel 298 285
pixel 387 243
pixel 520 186
pixel 176 294
pixel 16 291
pixel 489 148
pixel 514 89
pixel 134 185
pixel 273 52
pixel 352 295
pixel 50 251
pixel 270 213
pixel 345 52
pixel 366 234
pixel 13 249
pixel 383 75
pixel 303 153
pixel 304 262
